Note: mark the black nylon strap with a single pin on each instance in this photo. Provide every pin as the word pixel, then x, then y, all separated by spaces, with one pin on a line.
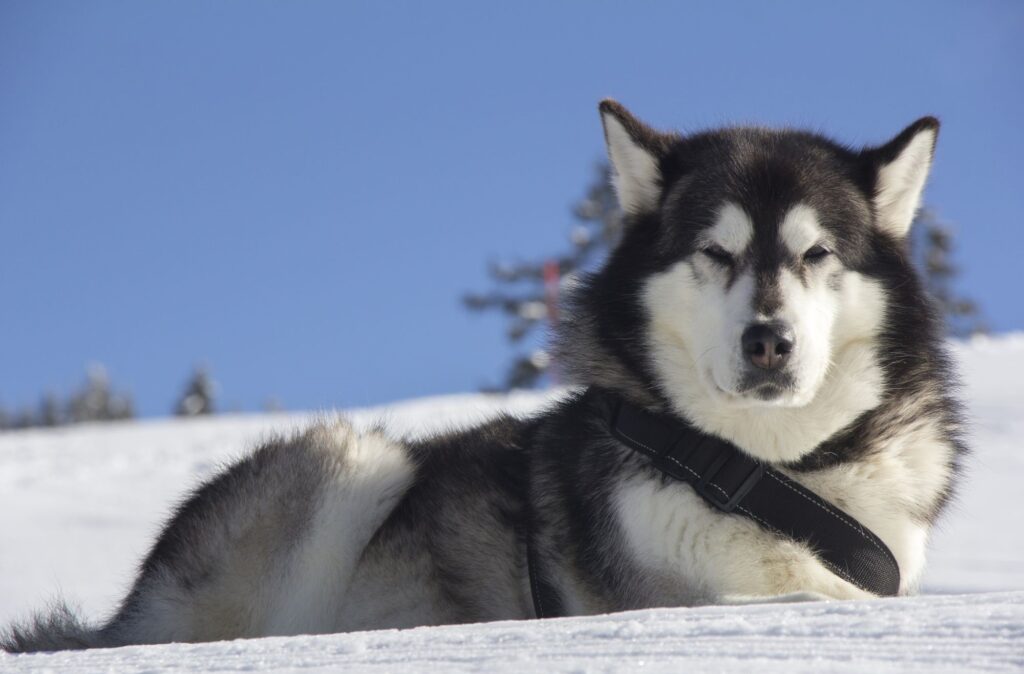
pixel 733 482
pixel 546 601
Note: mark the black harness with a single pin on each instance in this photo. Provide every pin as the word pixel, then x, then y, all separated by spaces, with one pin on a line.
pixel 734 483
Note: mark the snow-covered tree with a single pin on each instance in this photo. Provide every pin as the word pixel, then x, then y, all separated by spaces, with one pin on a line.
pixel 197 398
pixel 50 412
pixel 932 245
pixel 96 401
pixel 527 292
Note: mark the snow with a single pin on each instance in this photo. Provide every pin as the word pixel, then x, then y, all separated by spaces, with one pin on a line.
pixel 80 505
pixel 929 634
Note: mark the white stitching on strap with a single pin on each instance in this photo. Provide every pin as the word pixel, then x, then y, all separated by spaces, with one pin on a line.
pixel 673 459
pixel 830 511
pixel 632 439
pixel 835 569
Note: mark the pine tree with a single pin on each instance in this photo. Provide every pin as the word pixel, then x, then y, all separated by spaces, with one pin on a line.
pixel 96 401
pixel 50 412
pixel 23 419
pixel 527 293
pixel 197 399
pixel 932 246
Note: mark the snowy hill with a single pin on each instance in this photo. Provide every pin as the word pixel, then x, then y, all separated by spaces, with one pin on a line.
pixel 80 505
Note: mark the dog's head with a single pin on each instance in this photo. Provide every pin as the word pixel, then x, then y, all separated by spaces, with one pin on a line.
pixel 748 258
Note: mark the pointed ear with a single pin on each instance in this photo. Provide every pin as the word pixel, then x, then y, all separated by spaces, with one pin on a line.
pixel 901 168
pixel 635 151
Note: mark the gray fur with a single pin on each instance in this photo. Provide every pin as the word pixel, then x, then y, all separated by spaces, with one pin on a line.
pixel 57 629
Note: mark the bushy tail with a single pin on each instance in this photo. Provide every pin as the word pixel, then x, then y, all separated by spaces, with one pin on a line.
pixel 59 629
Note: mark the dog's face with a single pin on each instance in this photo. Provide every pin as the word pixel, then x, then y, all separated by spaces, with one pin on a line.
pixel 758 246
pixel 756 307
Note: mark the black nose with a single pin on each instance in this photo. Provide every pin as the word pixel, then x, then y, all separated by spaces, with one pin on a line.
pixel 768 345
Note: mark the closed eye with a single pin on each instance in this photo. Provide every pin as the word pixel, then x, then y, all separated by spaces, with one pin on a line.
pixel 718 255
pixel 816 254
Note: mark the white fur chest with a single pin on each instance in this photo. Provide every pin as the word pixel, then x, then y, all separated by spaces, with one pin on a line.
pixel 711 556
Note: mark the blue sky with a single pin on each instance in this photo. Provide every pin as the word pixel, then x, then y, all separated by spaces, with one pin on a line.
pixel 298 193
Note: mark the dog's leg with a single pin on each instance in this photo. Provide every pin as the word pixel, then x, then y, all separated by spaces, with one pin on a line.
pixel 367 475
pixel 270 545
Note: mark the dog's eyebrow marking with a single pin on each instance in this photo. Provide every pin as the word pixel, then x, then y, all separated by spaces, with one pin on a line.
pixel 732 230
pixel 800 229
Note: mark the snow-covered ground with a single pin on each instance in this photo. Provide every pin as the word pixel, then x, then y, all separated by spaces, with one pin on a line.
pixel 958 633
pixel 78 507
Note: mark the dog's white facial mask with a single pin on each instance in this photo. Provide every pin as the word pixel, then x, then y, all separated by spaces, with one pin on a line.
pixel 702 306
pixel 697 312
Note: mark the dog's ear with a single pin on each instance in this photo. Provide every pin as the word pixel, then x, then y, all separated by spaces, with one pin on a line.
pixel 635 151
pixel 901 167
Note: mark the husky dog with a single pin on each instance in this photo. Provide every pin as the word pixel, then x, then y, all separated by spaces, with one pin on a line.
pixel 761 296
